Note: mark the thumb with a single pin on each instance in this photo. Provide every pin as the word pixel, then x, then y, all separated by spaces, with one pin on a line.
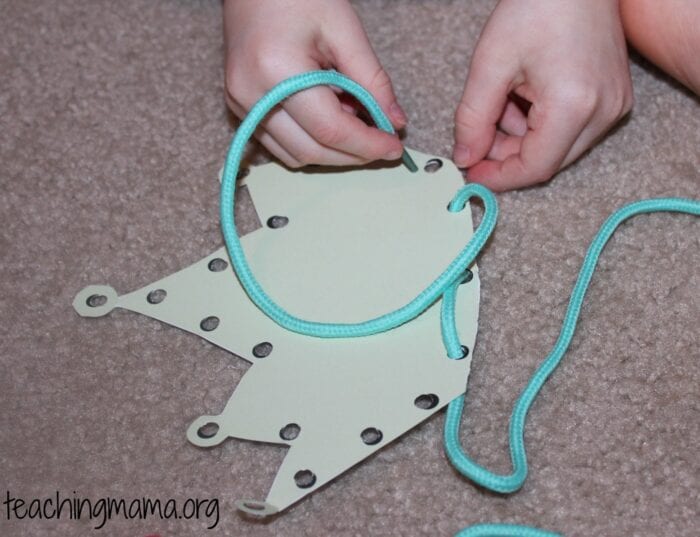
pixel 357 59
pixel 481 106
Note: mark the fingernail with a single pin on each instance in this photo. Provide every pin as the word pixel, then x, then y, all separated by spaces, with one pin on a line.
pixel 397 113
pixel 461 155
pixel 394 154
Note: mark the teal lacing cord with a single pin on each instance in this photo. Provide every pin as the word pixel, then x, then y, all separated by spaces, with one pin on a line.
pixel 512 482
pixel 504 530
pixel 445 286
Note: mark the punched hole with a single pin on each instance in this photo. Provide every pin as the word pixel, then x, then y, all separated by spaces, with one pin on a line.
pixel 217 265
pixel 243 172
pixel 262 350
pixel 276 222
pixel 290 431
pixel 209 323
pixel 208 430
pixel 468 276
pixel 427 401
pixel 95 301
pixel 371 436
pixel 465 353
pixel 433 165
pixel 156 296
pixel 305 479
pixel 254 506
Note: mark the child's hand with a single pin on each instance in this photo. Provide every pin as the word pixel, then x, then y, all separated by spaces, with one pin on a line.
pixel 568 60
pixel 268 41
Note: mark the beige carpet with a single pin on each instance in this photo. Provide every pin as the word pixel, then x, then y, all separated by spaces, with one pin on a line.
pixel 112 128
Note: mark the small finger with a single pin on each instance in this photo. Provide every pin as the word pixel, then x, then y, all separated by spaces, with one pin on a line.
pixel 302 146
pixel 282 137
pixel 276 149
pixel 504 146
pixel 319 113
pixel 268 141
pixel 587 139
pixel 513 121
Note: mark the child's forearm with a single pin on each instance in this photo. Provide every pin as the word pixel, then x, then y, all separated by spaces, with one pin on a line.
pixel 668 34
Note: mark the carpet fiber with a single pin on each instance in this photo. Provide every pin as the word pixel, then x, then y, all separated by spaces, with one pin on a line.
pixel 112 129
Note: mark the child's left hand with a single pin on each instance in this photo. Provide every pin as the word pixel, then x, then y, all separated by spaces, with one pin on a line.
pixel 568 60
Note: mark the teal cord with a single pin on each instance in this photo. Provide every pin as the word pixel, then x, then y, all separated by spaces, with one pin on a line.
pixel 445 286
pixel 512 482
pixel 504 530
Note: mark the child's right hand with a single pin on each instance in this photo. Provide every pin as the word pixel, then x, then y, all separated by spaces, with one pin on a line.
pixel 268 41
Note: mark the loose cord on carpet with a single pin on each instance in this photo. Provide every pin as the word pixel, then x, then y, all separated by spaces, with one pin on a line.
pixel 444 286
